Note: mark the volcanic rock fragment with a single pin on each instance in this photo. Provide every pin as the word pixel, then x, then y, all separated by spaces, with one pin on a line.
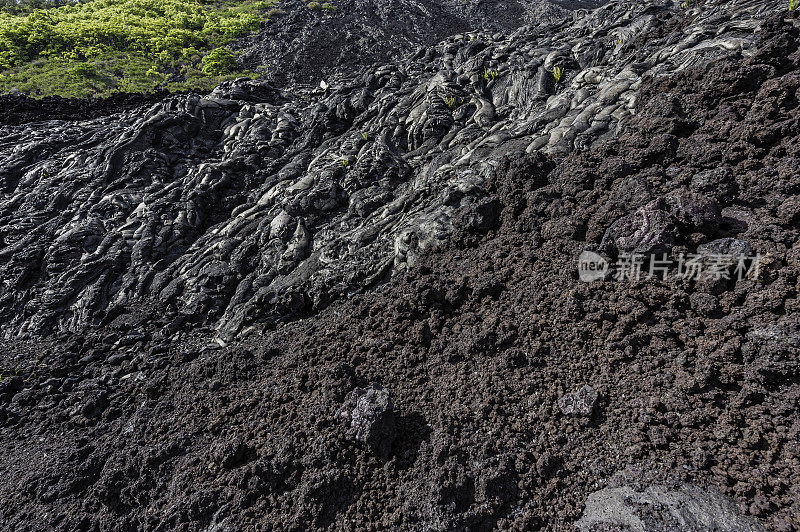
pixel 580 403
pixel 726 246
pixel 657 508
pixel 694 212
pixel 369 414
pixel 717 182
pixel 95 404
pixel 648 230
pixel 655 227
pixel 772 353
pixel 9 386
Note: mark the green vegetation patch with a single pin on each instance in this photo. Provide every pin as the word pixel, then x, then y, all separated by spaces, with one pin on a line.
pixel 105 46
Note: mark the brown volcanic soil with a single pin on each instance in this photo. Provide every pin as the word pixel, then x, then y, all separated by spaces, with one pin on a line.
pixel 125 429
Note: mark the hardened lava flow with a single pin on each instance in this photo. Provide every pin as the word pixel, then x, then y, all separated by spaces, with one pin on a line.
pixel 288 305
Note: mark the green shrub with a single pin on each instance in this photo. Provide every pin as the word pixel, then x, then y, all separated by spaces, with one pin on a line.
pixel 83 70
pixel 219 61
pixel 121 45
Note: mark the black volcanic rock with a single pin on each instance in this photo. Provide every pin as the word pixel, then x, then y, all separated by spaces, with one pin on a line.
pixel 369 416
pixel 190 290
pixel 580 403
pixel 257 203
pixel 307 45
pixel 663 509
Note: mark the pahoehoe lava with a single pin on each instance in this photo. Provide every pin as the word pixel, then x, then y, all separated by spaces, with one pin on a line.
pixel 287 305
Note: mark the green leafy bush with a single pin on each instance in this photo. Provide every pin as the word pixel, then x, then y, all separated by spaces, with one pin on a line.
pixel 116 45
pixel 83 70
pixel 219 61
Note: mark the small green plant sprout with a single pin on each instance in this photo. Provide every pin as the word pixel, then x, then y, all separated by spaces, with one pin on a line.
pixel 450 101
pixel 364 135
pixel 557 73
pixel 489 74
pixel 345 162
pixel 794 4
pixel 686 4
